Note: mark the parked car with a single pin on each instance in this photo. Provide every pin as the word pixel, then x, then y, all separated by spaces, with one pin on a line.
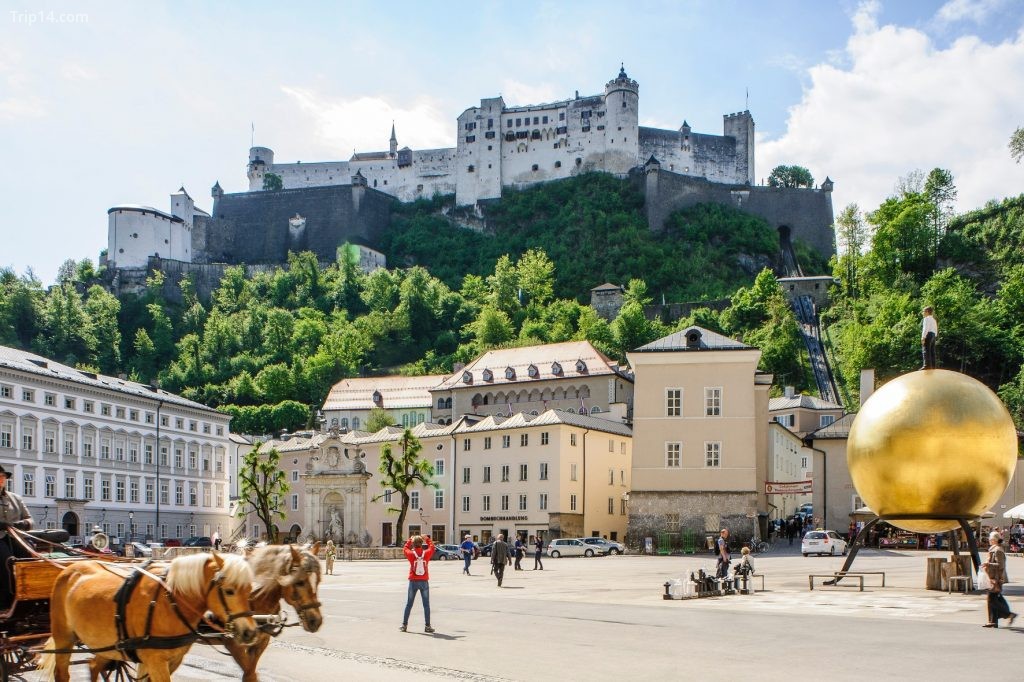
pixel 573 547
pixel 610 546
pixel 823 542
pixel 197 541
pixel 446 552
pixel 171 542
pixel 485 550
pixel 141 550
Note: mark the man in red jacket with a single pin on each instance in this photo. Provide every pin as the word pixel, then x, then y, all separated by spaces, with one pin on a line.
pixel 418 550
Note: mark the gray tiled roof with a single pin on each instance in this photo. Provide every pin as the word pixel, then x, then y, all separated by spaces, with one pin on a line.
pixel 810 402
pixel 709 340
pixel 13 358
pixel 838 429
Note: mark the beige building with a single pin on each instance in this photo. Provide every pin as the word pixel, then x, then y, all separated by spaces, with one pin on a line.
pixel 701 435
pixel 802 413
pixel 558 472
pixel 789 462
pixel 572 376
pixel 406 399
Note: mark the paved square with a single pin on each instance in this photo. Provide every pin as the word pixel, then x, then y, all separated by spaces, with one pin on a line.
pixel 604 619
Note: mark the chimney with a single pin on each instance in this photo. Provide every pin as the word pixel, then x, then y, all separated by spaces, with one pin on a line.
pixel 789 391
pixel 867 384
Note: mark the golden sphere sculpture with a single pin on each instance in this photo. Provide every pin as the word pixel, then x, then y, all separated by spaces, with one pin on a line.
pixel 932 442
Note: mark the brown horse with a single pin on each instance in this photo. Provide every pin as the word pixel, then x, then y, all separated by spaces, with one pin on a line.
pixel 83 609
pixel 282 572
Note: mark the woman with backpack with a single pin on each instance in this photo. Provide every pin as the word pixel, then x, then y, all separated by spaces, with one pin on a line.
pixel 418 550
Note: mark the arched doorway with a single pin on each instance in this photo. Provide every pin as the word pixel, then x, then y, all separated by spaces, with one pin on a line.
pixel 69 522
pixel 294 533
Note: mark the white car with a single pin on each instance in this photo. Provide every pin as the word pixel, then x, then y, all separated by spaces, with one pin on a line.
pixel 610 546
pixel 823 542
pixel 572 547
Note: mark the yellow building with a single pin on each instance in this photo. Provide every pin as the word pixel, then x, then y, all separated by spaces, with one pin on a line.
pixel 700 435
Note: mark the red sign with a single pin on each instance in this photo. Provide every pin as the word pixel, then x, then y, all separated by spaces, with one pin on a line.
pixel 787 487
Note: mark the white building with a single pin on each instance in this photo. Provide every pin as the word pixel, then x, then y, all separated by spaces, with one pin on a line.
pixel 789 461
pixel 501 146
pixel 135 233
pixel 406 399
pixel 88 450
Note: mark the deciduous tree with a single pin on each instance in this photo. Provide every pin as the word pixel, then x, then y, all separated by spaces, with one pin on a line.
pixel 263 485
pixel 402 471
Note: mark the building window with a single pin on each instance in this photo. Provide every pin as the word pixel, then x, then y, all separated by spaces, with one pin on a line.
pixel 487 442
pixel 439 499
pixel 523 469
pixel 133 415
pixel 28 484
pixel 119 453
pixel 572 472
pixel 193 496
pixel 387 496
pixel 826 419
pixel 439 467
pixel 6 436
pixel 105 490
pixel 206 428
pixel 295 475
pixel 504 503
pixel 69 444
pixel 49 399
pixel 5 391
pixel 28 396
pixel 465 503
pixel 542 503
pixel 572 439
pixel 149 417
pixel 787 420
pixel 119 413
pixel 486 503
pixel 712 454
pixel 611 445
pixel 673 402
pixel 487 474
pixel 164 493
pixel 504 473
pixel 133 453
pixel 522 502
pixel 506 441
pixel 88 406
pixel 803 462
pixel 611 505
pixel 572 502
pixel 193 460
pixel 179 495
pixel 524 440
pixel 465 474
pixel 622 507
pixel 622 447
pixel 179 424
pixel 133 492
pixel 50 488
pixel 466 444
pixel 712 402
pixel 163 456
pixel 87 448
pixel 544 439
pixel 119 490
pixel 87 488
pixel 543 471
pixel 295 502
pixel 178 458
pixel 414 499
pixel 673 455
pixel 26 438
pixel 611 477
pixel 69 403
pixel 149 492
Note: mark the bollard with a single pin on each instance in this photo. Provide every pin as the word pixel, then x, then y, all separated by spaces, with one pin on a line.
pixel 666 595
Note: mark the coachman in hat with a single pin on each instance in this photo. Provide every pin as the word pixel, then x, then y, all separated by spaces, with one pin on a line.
pixel 13 514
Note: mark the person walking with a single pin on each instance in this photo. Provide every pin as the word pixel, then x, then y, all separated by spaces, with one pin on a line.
pixel 418 550
pixel 330 552
pixel 929 334
pixel 520 551
pixel 723 554
pixel 499 557
pixel 995 569
pixel 216 540
pixel 13 514
pixel 467 547
pixel 538 550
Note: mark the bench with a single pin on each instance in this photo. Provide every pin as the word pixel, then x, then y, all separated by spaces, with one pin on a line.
pixel 833 576
pixel 962 582
pixel 750 577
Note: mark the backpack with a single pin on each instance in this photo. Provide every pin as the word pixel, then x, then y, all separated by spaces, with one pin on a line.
pixel 419 566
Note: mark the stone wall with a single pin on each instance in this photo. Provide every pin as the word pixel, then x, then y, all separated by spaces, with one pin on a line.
pixel 563 525
pixel 704 513
pixel 806 213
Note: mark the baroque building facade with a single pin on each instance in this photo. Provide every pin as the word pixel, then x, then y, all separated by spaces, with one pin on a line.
pixel 89 450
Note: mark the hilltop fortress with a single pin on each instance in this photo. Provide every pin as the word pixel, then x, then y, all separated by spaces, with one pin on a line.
pixel 325 204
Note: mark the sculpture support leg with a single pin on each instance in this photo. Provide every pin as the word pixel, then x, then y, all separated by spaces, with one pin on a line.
pixel 858 542
pixel 972 543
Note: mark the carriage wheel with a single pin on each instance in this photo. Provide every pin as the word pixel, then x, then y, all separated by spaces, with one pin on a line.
pixel 121 671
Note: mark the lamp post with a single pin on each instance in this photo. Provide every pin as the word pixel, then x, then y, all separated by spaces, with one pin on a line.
pixel 131 526
pixel 191 523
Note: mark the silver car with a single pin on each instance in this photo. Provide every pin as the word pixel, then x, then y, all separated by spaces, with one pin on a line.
pixel 573 547
pixel 610 546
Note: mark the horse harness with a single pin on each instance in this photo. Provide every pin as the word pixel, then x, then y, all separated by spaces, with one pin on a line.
pixel 129 645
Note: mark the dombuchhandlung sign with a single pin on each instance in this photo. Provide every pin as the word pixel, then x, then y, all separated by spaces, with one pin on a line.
pixel 787 487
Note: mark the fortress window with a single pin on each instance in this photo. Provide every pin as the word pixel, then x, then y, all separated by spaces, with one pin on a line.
pixel 600 114
pixel 535 135
pixel 470 138
pixel 600 127
pixel 558 164
pixel 623 102
pixel 579 161
pixel 534 166
pixel 490 123
pixel 545 119
pixel 509 137
pixel 585 114
pixel 385 182
pixel 519 121
pixel 374 183
pixel 471 168
pixel 585 129
pixel 522 134
pixel 535 121
pixel 489 134
pixel 561 115
pixel 510 123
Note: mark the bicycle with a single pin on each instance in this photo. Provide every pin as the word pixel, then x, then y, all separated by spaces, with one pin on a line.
pixel 759 546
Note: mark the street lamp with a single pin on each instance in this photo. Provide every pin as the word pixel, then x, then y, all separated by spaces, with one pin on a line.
pixel 131 526
pixel 191 523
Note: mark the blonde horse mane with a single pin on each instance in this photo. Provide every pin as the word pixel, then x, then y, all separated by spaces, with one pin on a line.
pixel 272 561
pixel 187 573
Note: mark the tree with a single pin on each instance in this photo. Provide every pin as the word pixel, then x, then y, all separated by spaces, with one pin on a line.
pixel 103 309
pixel 1017 145
pixel 379 418
pixel 263 487
pixel 492 327
pixel 402 472
pixel 536 276
pixel 941 192
pixel 272 182
pixel 790 176
pixel 852 235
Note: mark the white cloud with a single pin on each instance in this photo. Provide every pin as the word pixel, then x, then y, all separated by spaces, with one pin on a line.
pixel 901 103
pixel 341 123
pixel 16 108
pixel 974 10
pixel 518 94
pixel 76 72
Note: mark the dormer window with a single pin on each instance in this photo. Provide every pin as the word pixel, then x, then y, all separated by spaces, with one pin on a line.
pixel 510 373
pixel 532 371
pixel 581 366
pixel 488 375
pixel 467 377
pixel 377 398
pixel 556 369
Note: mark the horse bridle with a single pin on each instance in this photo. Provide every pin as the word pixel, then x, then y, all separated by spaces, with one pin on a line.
pixel 218 583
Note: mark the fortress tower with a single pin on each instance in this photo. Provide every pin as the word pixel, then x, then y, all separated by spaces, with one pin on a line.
pixel 741 127
pixel 621 97
pixel 260 159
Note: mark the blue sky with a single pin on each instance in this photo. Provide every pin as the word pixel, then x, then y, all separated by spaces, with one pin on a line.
pixel 104 103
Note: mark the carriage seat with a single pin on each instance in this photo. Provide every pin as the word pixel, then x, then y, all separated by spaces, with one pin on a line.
pixel 55 535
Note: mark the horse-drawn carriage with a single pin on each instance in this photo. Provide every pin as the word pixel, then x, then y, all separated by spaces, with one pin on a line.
pixel 140 618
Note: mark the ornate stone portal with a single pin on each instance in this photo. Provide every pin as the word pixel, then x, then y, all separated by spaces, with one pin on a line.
pixel 336 492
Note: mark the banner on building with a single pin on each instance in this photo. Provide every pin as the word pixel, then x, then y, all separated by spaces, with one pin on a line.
pixel 787 487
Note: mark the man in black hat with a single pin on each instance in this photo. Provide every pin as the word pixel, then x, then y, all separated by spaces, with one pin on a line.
pixel 13 514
